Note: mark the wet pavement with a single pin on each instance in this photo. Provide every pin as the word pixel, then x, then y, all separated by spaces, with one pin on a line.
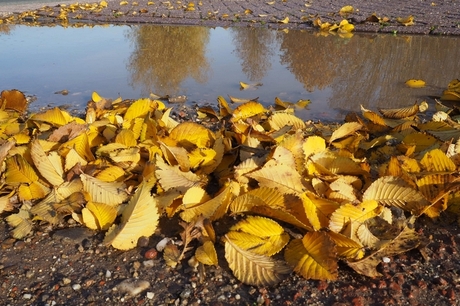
pixel 430 17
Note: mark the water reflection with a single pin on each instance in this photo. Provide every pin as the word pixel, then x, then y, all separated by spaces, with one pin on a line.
pixel 164 56
pixel 254 47
pixel 336 74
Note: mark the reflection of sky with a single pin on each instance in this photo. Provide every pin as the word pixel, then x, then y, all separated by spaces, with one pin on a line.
pixel 40 61
pixel 43 60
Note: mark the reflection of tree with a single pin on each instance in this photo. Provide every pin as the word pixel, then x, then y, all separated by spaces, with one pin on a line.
pixel 6 28
pixel 370 70
pixel 254 47
pixel 164 56
pixel 310 58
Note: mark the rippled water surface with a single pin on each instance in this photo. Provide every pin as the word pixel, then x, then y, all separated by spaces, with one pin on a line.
pixel 336 74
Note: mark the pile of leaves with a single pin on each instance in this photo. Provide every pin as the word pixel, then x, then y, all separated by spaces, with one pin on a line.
pixel 303 195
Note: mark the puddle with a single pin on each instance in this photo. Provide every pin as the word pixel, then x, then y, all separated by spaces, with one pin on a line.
pixel 336 74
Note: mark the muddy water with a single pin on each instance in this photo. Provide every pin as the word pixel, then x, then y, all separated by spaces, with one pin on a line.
pixel 336 74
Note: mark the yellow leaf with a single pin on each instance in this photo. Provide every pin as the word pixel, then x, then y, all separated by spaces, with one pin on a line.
pixel 313 145
pixel 5 203
pixel 212 209
pixel 139 109
pixel 49 166
pixel 139 218
pixel 247 110
pixel 345 130
pixel 21 222
pixel 318 210
pixel 33 191
pixel 285 20
pixel 399 113
pixel 55 117
pixel 123 2
pixel 282 177
pixel 96 97
pixel 348 9
pixel 346 247
pixel 172 177
pixel 206 254
pixel 349 213
pixel 18 171
pixel 415 83
pixel 72 159
pixel 126 137
pixel 111 193
pixel 280 119
pixel 407 21
pixel 253 269
pixel 436 161
pixel 244 85
pixel 201 157
pixel 421 141
pixel 259 235
pixel 191 135
pixel 99 214
pixel 223 107
pixel 394 191
pixel 111 174
pixel 314 256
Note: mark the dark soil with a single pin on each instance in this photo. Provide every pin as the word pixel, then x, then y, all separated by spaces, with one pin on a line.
pixel 70 266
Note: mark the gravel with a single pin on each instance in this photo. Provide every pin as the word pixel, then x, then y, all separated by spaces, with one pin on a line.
pixel 46 269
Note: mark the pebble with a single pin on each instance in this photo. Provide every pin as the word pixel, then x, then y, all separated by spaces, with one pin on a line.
pixel 237 296
pixel 150 295
pixel 148 263
pixel 108 274
pixel 66 281
pixel 186 294
pixel 27 296
pixel 76 287
pixel 133 287
pixel 221 298
pixel 386 259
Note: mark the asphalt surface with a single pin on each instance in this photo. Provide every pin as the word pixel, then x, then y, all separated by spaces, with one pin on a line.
pixel 437 17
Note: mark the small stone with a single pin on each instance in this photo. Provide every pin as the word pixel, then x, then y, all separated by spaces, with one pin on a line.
pixel 386 259
pixel 76 287
pixel 143 242
pixel 66 281
pixel 148 263
pixel 186 294
pixel 221 298
pixel 27 296
pixel 19 245
pixel 136 265
pixel 133 287
pixel 30 274
pixel 151 254
pixel 237 296
pixel 108 274
pixel 150 295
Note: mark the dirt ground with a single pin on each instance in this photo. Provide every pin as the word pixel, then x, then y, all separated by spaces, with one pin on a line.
pixel 70 266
